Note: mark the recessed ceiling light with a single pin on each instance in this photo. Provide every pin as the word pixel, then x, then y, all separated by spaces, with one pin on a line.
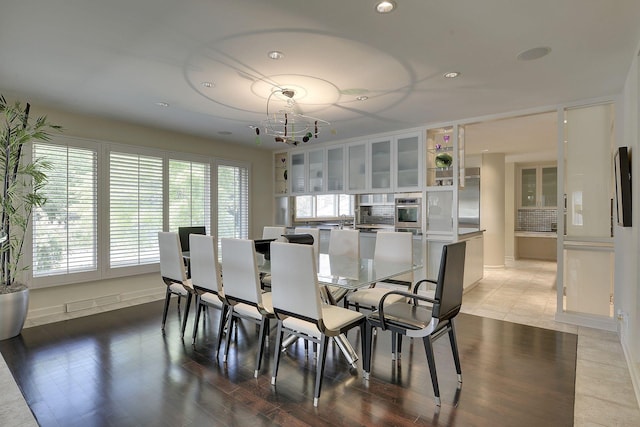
pixel 162 104
pixel 275 55
pixel 385 6
pixel 451 74
pixel 362 98
pixel 208 84
pixel 535 53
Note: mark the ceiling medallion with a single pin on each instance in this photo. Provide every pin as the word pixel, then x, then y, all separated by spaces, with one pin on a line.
pixel 285 124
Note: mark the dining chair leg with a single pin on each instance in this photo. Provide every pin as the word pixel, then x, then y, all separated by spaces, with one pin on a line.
pixel 428 346
pixel 366 342
pixel 167 298
pixel 264 330
pixel 276 354
pixel 224 318
pixel 186 314
pixel 232 319
pixel 199 309
pixel 322 357
pixel 399 347
pixel 454 350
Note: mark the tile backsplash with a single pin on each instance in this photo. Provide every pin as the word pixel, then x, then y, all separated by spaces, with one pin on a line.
pixel 537 220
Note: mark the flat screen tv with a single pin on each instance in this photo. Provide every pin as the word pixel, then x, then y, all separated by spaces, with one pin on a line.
pixel 622 165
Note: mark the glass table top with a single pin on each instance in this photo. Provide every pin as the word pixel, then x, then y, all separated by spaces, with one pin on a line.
pixel 351 273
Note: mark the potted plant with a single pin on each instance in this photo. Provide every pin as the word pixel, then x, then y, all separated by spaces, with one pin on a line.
pixel 22 183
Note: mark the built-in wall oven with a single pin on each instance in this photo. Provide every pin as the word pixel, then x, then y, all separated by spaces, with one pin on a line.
pixel 408 212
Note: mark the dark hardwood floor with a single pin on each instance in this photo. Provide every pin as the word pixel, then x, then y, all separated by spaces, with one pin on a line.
pixel 118 369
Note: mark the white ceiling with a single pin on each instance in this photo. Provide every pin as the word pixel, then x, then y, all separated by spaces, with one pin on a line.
pixel 118 58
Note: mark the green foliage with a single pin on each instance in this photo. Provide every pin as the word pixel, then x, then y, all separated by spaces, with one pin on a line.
pixel 21 182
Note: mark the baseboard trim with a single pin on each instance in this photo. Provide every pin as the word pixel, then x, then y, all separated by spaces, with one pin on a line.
pixel 634 370
pixel 59 313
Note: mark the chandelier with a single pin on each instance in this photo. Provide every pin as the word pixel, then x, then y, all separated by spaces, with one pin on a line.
pixel 285 124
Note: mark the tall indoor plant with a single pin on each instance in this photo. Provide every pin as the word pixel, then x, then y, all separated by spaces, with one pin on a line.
pixel 22 182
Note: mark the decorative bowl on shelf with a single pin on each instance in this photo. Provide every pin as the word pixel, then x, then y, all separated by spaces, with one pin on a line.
pixel 444 160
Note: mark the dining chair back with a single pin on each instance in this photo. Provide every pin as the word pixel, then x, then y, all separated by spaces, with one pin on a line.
pixel 344 242
pixel 298 306
pixel 273 232
pixel 420 321
pixel 391 246
pixel 185 232
pixel 243 293
pixel 315 233
pixel 174 275
pixel 206 280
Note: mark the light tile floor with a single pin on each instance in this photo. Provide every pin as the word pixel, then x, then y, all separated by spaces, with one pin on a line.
pixel 525 292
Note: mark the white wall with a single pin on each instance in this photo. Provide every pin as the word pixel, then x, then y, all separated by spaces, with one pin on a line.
pixel 627 267
pixel 51 301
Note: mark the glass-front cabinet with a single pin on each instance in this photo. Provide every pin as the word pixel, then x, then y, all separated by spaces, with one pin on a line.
pixel 297 173
pixel 335 169
pixel 381 165
pixel 538 186
pixel 408 155
pixel 357 167
pixel 280 169
pixel 316 170
pixel 440 210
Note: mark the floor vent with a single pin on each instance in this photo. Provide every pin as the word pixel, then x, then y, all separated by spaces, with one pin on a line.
pixel 91 303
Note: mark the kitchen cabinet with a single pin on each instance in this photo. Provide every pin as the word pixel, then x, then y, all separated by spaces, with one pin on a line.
pixel 319 170
pixel 408 167
pixel 357 166
pixel 335 169
pixel 316 168
pixel 297 173
pixel 538 186
pixel 380 162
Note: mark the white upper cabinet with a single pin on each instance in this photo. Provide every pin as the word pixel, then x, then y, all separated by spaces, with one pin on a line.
pixel 357 167
pixel 335 169
pixel 315 177
pixel 408 155
pixel 297 173
pixel 381 161
pixel 538 186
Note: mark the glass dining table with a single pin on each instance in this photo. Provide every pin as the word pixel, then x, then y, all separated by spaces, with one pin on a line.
pixel 350 274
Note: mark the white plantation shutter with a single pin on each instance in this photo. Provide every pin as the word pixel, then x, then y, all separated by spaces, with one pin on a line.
pixel 135 209
pixel 233 202
pixel 189 194
pixel 65 228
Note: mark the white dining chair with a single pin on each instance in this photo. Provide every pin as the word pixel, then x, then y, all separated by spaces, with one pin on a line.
pixel 315 233
pixel 242 291
pixel 206 280
pixel 343 243
pixel 174 275
pixel 273 232
pixel 299 308
pixel 393 246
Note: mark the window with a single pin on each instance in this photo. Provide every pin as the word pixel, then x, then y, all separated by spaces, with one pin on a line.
pixel 233 202
pixel 189 194
pixel 135 209
pixel 324 206
pixel 65 228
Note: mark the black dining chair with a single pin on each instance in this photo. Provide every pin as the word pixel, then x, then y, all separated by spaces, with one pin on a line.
pixel 421 321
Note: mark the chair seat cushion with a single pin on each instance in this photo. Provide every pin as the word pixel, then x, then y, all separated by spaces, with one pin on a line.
pixel 404 315
pixel 178 288
pixel 335 319
pixel 211 299
pixel 371 297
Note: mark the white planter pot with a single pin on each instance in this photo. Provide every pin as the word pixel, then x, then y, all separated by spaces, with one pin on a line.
pixel 13 313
